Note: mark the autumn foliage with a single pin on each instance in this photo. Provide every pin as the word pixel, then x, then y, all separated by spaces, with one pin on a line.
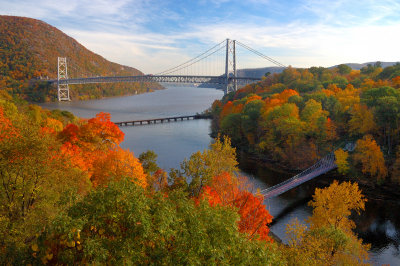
pixel 93 146
pixel 329 240
pixel 369 154
pixel 298 116
pixel 226 190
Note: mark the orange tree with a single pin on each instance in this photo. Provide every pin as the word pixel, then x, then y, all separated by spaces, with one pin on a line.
pixel 227 190
pixel 93 146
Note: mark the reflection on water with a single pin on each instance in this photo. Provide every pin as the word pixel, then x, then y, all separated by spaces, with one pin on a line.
pixel 378 225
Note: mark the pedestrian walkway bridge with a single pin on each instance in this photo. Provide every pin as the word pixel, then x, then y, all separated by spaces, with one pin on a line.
pixel 323 166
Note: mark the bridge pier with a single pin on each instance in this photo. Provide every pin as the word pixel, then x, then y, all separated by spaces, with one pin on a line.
pixel 62 74
pixel 162 120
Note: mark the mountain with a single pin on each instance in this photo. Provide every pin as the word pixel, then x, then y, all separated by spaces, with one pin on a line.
pixel 29 49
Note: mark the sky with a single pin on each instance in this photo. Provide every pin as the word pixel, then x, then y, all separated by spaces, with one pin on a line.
pixel 154 35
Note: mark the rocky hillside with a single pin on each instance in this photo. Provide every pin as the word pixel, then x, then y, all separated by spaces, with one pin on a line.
pixel 29 49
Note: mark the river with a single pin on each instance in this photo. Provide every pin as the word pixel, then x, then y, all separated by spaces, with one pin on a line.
pixel 175 141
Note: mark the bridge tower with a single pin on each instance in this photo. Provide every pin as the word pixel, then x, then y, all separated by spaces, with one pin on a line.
pixel 230 67
pixel 62 74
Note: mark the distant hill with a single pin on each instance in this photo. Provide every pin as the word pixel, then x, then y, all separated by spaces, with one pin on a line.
pixel 259 72
pixel 357 66
pixel 29 49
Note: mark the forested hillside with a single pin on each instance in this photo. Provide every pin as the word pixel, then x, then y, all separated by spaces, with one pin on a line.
pixel 28 52
pixel 295 117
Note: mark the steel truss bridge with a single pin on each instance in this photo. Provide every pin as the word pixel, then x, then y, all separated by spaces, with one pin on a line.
pixel 159 78
pixel 217 66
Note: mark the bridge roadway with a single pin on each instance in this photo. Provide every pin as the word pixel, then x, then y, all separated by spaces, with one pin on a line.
pixel 220 80
pixel 161 120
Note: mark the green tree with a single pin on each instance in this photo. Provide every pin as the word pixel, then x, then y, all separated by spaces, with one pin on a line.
pixel 122 224
pixel 343 69
pixel 202 166
pixel 231 126
pixel 149 162
pixel 341 82
pixel 385 103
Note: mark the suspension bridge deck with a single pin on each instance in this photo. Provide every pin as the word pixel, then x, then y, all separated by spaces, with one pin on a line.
pixel 161 120
pixel 219 80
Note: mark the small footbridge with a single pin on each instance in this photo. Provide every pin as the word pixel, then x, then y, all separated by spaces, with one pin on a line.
pixel 323 166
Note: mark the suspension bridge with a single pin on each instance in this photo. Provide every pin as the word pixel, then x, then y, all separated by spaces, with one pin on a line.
pixel 217 66
pixel 321 167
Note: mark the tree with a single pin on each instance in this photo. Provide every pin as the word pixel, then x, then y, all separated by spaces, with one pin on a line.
pixel 231 127
pixel 95 140
pixel 323 246
pixel 202 166
pixel 341 161
pixel 236 193
pixel 362 120
pixel 115 164
pixel 369 154
pixel 385 103
pixel 249 119
pixel 333 205
pixel 341 82
pixel 344 69
pixel 329 240
pixel 148 160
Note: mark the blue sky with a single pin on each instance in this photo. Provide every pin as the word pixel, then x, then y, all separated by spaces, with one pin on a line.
pixel 155 35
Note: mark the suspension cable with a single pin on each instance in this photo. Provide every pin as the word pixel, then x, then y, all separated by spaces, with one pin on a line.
pixel 172 69
pixel 175 70
pixel 260 54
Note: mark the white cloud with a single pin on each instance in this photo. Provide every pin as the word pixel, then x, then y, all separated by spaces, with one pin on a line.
pixel 321 32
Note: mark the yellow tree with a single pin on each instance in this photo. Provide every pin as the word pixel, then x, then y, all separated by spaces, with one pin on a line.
pixel 333 205
pixel 348 97
pixel 329 240
pixel 369 154
pixel 341 161
pixel 362 120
